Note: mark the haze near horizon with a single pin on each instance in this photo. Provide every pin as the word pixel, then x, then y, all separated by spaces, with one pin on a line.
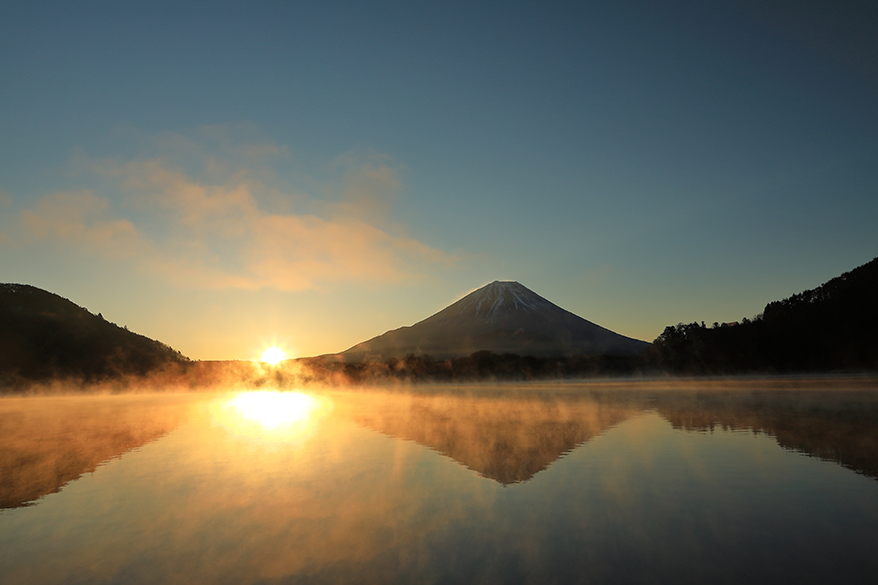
pixel 236 177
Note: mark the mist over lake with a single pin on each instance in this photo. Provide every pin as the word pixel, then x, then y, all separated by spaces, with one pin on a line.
pixel 725 481
pixel 438 293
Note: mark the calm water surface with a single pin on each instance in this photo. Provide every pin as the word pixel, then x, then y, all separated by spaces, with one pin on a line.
pixel 533 484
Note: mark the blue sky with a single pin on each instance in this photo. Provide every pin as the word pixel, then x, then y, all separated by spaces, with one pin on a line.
pixel 222 176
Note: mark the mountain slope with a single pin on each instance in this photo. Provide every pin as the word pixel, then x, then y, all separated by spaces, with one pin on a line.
pixel 44 336
pixel 831 327
pixel 500 317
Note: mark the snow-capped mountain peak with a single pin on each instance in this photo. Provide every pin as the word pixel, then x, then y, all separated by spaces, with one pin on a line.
pixel 494 300
pixel 502 316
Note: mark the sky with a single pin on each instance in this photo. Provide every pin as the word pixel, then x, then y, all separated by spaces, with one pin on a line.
pixel 226 176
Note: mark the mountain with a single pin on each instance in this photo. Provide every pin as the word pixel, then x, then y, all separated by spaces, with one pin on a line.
pixel 44 336
pixel 501 317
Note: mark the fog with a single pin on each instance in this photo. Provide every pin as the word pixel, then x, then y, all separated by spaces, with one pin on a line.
pixel 504 432
pixel 430 483
pixel 46 442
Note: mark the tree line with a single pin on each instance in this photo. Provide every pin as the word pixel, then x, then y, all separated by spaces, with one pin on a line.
pixel 480 365
pixel 830 328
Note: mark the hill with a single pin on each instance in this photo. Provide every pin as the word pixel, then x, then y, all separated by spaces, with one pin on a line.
pixel 501 317
pixel 832 327
pixel 44 336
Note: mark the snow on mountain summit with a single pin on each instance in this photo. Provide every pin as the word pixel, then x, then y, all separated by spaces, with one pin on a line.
pixel 502 316
pixel 495 300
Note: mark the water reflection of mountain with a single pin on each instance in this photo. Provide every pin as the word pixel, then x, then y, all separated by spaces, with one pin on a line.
pixel 838 426
pixel 46 443
pixel 511 438
pixel 508 439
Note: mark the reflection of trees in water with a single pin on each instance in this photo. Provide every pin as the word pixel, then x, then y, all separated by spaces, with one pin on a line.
pixel 46 443
pixel 511 438
pixel 501 433
pixel 505 438
pixel 836 426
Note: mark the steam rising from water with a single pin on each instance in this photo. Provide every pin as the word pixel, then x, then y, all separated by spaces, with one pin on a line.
pixel 262 487
pixel 48 442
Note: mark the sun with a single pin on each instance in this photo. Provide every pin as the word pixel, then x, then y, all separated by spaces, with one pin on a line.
pixel 273 355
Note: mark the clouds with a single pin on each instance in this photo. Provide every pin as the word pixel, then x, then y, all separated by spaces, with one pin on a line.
pixel 82 220
pixel 206 212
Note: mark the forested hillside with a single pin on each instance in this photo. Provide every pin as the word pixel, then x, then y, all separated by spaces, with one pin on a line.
pixel 44 336
pixel 832 327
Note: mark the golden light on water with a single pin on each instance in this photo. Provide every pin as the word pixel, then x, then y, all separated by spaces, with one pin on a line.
pixel 271 415
pixel 274 409
pixel 273 355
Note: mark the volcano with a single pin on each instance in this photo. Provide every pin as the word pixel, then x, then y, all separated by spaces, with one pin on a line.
pixel 502 317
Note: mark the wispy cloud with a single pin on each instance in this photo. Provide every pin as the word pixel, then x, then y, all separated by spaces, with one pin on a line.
pixel 215 217
pixel 83 220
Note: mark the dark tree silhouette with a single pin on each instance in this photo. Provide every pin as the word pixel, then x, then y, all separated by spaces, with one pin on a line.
pixel 44 336
pixel 832 327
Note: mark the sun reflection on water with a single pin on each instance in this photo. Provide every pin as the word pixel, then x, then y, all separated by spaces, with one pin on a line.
pixel 271 415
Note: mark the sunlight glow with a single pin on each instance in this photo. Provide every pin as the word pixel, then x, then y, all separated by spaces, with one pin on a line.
pixel 269 415
pixel 273 355
pixel 274 409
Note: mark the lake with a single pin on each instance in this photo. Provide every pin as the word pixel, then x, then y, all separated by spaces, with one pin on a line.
pixel 719 481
